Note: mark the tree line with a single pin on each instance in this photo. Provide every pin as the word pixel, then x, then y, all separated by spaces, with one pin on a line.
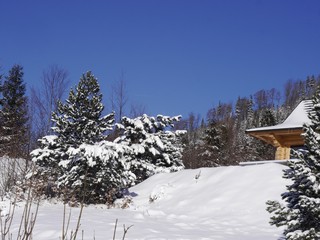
pixel 221 139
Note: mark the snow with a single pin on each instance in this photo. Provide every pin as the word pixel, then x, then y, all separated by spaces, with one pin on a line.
pixel 296 119
pixel 285 162
pixel 207 203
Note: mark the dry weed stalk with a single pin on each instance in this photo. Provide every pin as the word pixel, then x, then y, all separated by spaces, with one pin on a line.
pixel 27 221
pixel 6 221
pixel 125 230
pixel 66 224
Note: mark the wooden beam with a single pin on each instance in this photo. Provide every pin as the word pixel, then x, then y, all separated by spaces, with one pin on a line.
pixel 276 138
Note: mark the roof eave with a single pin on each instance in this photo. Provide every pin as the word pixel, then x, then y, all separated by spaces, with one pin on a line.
pixel 254 130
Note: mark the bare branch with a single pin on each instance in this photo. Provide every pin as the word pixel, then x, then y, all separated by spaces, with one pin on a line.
pixel 45 99
pixel 119 97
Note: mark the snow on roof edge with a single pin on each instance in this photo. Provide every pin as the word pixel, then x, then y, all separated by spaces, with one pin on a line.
pixel 295 120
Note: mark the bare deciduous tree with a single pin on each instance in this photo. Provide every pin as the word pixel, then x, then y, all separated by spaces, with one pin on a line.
pixel 44 100
pixel 137 110
pixel 119 98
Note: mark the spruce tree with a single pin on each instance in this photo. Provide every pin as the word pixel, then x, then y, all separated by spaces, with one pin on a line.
pixel 154 148
pixel 267 118
pixel 13 115
pixel 301 214
pixel 63 158
pixel 265 151
pixel 310 86
pixel 213 145
pixel 79 119
pixel 245 144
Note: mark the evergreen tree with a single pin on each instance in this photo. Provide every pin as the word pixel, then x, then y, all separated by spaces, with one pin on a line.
pixel 310 86
pixel 96 173
pixel 13 115
pixel 220 133
pixel 46 159
pixel 267 118
pixel 155 149
pixel 265 151
pixel 79 119
pixel 213 145
pixel 301 214
pixel 245 144
pixel 79 127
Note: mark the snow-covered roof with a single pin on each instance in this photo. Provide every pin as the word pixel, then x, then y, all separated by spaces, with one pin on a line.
pixel 296 119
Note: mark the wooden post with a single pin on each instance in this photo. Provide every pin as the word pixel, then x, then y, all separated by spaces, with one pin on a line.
pixel 282 153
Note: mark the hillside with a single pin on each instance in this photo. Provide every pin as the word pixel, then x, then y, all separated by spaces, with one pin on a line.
pixel 208 203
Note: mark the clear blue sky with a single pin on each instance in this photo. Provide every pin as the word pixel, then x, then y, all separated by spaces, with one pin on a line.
pixel 178 56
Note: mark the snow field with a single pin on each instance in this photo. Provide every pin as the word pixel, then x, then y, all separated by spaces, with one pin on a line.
pixel 207 203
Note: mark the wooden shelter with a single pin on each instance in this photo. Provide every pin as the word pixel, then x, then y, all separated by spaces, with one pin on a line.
pixel 286 135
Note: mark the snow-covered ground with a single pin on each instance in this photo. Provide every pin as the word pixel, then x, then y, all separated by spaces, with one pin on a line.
pixel 207 203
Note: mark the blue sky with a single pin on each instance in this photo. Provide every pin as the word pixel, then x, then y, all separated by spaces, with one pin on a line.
pixel 177 56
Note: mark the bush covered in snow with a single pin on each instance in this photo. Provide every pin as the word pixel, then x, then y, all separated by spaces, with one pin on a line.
pixel 97 172
pixel 155 149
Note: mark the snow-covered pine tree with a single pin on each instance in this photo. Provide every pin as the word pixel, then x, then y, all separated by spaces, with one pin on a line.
pixel 63 157
pixel 96 173
pixel 310 86
pixel 13 115
pixel 301 214
pixel 46 159
pixel 211 150
pixel 267 118
pixel 79 119
pixel 245 144
pixel 155 148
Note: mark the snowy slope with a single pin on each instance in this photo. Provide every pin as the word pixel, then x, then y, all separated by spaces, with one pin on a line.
pixel 208 203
